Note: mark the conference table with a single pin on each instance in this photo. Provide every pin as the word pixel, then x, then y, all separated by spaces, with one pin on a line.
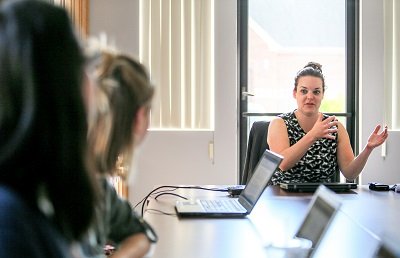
pixel 365 219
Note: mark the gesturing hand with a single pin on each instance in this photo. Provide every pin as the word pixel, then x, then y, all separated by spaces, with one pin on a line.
pixel 325 128
pixel 376 139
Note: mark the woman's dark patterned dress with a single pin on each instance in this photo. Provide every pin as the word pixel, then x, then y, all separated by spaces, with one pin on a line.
pixel 319 164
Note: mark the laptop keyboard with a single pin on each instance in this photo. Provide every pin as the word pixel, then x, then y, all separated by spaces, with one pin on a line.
pixel 229 205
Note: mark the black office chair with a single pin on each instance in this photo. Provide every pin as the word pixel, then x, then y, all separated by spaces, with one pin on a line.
pixel 256 146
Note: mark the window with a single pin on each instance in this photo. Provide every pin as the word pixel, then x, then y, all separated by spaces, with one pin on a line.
pixel 285 35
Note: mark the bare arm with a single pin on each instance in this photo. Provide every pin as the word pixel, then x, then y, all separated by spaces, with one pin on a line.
pixel 351 167
pixel 125 227
pixel 134 246
pixel 278 139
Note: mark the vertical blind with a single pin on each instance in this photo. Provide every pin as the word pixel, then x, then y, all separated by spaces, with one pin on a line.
pixel 177 46
pixel 392 63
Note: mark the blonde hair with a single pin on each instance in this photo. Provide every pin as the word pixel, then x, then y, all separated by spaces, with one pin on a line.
pixel 122 87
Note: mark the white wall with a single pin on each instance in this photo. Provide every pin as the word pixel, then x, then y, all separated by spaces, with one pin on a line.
pixel 379 169
pixel 119 20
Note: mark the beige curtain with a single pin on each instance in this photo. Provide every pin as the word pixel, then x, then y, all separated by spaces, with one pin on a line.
pixel 176 44
pixel 392 63
pixel 79 12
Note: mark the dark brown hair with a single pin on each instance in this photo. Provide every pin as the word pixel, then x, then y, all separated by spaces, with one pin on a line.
pixel 43 127
pixel 310 69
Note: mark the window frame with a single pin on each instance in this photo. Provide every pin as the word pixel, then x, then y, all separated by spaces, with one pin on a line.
pixel 352 77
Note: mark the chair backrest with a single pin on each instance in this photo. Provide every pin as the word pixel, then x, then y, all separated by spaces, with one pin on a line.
pixel 256 146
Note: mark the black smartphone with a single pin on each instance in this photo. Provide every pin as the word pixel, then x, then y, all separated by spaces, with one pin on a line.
pixel 378 187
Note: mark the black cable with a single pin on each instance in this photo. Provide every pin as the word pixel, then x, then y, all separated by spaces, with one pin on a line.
pixel 174 194
pixel 152 192
pixel 174 187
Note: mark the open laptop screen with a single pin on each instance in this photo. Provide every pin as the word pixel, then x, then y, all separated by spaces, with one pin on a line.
pixel 260 179
pixel 321 211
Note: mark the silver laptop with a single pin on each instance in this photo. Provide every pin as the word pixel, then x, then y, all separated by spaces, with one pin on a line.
pixel 234 207
pixel 320 213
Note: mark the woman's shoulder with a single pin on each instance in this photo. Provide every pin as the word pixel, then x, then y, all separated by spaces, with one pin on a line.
pixel 27 232
pixel 277 123
pixel 284 118
pixel 276 120
pixel 10 203
pixel 287 116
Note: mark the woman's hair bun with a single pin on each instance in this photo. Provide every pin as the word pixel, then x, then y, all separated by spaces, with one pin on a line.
pixel 314 65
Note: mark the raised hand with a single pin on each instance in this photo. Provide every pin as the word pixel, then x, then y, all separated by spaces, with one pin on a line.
pixel 376 139
pixel 324 128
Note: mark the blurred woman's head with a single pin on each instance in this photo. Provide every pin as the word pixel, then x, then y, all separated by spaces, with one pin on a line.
pixel 123 99
pixel 42 120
